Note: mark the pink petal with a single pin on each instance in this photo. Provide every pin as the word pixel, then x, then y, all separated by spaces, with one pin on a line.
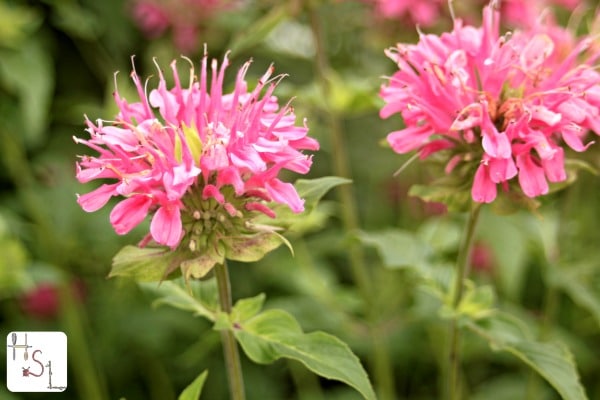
pixel 543 114
pixel 494 143
pixel 502 169
pixel 95 200
pixel 409 138
pixel 484 189
pixel 231 176
pixel 572 135
pixel 531 176
pixel 260 207
pixel 129 213
pixel 166 226
pixel 555 167
pixel 212 191
pixel 285 193
pixel 538 49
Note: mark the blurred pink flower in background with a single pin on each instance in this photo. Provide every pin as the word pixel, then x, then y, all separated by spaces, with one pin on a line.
pixel 43 301
pixel 184 17
pixel 499 107
pixel 187 153
pixel 482 258
pixel 425 12
pixel 523 13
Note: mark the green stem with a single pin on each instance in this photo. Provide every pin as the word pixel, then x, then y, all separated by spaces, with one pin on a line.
pixel 89 381
pixel 462 270
pixel 230 349
pixel 382 366
pixel 341 166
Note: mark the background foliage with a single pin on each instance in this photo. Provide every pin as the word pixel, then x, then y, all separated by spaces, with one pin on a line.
pixel 57 63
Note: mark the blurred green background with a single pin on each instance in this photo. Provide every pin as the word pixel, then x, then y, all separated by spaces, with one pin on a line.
pixel 57 63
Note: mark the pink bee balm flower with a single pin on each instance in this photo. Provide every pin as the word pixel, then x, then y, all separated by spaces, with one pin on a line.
pixel 195 158
pixel 500 108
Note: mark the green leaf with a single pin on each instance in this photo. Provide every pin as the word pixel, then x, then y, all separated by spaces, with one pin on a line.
pixel 478 301
pixel 456 197
pixel 194 389
pixel 16 23
pixel 173 294
pixel 13 263
pixel 275 334
pixel 250 248
pixel 259 30
pixel 553 361
pixel 578 285
pixel 144 264
pixel 510 238
pixel 29 75
pixel 312 190
pixel 397 248
pixel 198 267
pixel 75 20
pixel 247 308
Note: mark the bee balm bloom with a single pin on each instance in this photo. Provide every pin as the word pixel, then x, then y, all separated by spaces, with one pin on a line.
pixel 199 160
pixel 498 108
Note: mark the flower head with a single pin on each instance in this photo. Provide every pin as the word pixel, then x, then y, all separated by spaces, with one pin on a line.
pixel 200 161
pixel 499 107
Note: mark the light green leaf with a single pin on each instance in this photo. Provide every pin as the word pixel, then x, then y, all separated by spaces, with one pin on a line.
pixel 553 361
pixel 275 334
pixel 13 272
pixel 198 267
pixel 510 238
pixel 478 301
pixel 194 389
pixel 397 248
pixel 312 190
pixel 173 294
pixel 247 308
pixel 250 248
pixel 442 234
pixel 144 264
pixel 16 23
pixel 28 73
